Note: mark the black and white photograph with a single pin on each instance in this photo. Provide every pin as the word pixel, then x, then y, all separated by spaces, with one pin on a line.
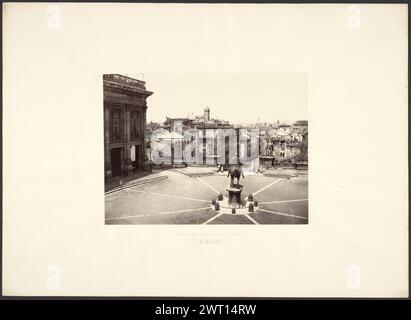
pixel 199 149
pixel 205 150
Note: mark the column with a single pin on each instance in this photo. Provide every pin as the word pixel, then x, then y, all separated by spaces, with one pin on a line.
pixel 142 128
pixel 107 130
pixel 127 157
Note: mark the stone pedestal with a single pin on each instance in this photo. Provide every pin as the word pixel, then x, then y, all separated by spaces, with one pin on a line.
pixel 234 204
pixel 234 196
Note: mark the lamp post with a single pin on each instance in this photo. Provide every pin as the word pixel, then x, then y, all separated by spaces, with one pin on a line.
pixel 149 149
pixel 150 165
pixel 151 170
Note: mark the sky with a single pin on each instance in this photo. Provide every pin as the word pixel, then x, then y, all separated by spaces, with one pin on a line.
pixel 238 98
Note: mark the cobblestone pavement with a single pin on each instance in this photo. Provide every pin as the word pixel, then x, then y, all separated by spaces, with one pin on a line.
pixel 183 199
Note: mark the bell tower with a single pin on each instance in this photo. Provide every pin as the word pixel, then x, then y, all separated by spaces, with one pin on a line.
pixel 206 114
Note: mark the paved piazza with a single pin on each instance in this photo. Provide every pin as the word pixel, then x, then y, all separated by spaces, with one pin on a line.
pixel 184 199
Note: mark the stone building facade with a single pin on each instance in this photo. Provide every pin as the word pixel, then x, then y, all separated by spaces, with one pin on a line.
pixel 125 105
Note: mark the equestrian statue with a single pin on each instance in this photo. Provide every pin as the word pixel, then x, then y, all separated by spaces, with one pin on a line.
pixel 235 171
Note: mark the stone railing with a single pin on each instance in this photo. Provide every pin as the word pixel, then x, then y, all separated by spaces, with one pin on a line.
pixel 125 80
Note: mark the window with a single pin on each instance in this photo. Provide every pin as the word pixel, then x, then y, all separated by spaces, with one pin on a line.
pixel 116 125
pixel 134 125
pixel 282 154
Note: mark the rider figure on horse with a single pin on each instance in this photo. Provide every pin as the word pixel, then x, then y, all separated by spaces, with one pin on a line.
pixel 235 171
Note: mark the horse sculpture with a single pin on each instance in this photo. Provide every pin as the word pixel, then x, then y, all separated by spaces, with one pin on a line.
pixel 235 171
